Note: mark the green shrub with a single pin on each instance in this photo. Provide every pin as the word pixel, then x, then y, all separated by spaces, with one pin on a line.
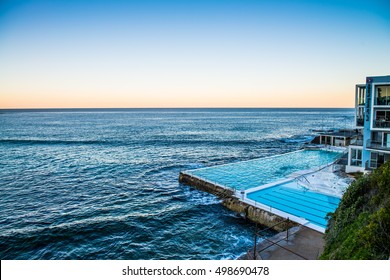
pixel 360 227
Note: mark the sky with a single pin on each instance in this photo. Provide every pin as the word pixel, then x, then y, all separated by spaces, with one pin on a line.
pixel 146 54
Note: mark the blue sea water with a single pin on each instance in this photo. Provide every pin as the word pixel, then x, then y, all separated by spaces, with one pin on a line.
pixel 103 184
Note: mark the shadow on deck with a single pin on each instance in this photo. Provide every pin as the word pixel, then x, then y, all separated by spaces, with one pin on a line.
pixel 298 243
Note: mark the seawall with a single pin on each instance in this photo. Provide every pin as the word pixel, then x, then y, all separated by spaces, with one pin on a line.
pixel 205 186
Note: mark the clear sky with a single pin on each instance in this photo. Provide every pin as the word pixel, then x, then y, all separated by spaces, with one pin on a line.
pixel 203 53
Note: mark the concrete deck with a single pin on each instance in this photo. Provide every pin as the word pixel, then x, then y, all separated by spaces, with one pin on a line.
pixel 303 243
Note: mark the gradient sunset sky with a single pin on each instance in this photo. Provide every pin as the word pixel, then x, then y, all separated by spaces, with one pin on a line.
pixel 85 54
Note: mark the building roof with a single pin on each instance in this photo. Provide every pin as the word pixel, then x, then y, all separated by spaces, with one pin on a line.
pixel 340 133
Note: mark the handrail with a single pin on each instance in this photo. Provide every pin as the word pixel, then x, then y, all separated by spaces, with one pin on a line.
pixel 276 243
pixel 268 228
pixel 302 176
pixel 259 234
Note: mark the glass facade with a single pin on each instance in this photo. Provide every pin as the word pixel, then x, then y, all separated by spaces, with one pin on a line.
pixel 360 116
pixel 361 96
pixel 382 119
pixel 372 116
pixel 356 157
pixel 382 94
pixel 360 101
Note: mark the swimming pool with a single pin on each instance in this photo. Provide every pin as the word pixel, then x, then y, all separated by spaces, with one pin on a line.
pixel 295 200
pixel 257 172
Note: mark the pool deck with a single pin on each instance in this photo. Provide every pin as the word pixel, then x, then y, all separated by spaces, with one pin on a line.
pixel 303 244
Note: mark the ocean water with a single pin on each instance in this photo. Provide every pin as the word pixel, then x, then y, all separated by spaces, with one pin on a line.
pixel 103 184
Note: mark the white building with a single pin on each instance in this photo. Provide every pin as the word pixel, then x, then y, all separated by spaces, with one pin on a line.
pixel 372 117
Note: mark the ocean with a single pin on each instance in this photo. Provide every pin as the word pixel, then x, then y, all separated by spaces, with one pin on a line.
pixel 103 183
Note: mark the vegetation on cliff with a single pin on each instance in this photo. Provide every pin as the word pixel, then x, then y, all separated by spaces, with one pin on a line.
pixel 360 227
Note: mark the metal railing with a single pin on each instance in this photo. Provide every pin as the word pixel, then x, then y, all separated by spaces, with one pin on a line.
pixel 356 162
pixel 385 100
pixel 375 164
pixel 302 179
pixel 381 124
pixel 370 165
pixel 357 142
pixel 255 253
pixel 376 145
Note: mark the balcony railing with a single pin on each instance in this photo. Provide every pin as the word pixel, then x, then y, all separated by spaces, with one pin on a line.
pixel 356 162
pixel 381 124
pixel 376 145
pixel 383 101
pixel 359 121
pixel 374 165
pixel 357 142
pixel 370 165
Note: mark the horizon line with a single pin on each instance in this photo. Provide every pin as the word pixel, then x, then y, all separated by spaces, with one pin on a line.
pixel 143 108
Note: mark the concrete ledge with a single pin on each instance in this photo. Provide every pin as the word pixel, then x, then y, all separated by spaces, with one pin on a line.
pixel 205 186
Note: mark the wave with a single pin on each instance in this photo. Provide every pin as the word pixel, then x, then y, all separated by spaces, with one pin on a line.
pixel 159 169
pixel 208 142
pixel 33 238
pixel 157 142
pixel 250 143
pixel 204 199
pixel 50 142
pixel 298 139
pixel 97 222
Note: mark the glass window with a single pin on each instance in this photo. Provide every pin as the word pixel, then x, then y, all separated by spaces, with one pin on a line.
pixel 382 119
pixel 382 95
pixel 386 140
pixel 356 157
pixel 376 159
pixel 361 112
pixel 376 137
pixel 361 95
pixel 373 160
pixel 380 115
pixel 360 116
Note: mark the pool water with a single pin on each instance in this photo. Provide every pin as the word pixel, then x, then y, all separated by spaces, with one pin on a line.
pixel 297 201
pixel 254 173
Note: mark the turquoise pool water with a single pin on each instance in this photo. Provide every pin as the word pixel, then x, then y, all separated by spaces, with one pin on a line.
pixel 297 201
pixel 254 173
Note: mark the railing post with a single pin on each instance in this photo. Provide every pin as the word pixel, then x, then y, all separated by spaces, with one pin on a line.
pixel 288 224
pixel 254 247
